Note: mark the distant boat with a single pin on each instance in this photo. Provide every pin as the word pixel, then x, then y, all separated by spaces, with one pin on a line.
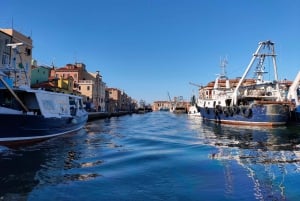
pixel 142 110
pixel 193 109
pixel 294 96
pixel 165 109
pixel 177 106
pixel 179 109
pixel 29 114
pixel 247 101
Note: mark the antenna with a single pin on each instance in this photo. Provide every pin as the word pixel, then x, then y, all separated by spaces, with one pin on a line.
pixel 223 63
pixel 75 57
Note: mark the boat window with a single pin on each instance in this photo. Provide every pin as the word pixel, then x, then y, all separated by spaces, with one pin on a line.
pixel 80 104
pixel 8 101
pixel 72 101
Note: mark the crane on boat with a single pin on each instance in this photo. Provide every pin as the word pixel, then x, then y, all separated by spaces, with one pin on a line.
pixel 197 85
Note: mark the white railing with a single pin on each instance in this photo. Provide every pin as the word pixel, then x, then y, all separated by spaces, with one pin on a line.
pixel 85 82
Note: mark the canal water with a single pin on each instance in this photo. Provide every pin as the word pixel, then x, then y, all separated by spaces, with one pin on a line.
pixel 156 156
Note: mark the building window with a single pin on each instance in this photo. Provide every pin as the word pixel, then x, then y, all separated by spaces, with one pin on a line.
pixel 28 51
pixel 5 59
pixel 88 88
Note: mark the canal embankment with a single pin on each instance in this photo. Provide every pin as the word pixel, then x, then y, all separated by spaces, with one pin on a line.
pixel 102 115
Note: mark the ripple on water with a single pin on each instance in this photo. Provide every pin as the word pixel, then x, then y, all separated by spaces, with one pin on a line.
pixel 156 156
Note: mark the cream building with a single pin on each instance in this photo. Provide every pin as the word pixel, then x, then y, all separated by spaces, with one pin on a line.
pixel 99 96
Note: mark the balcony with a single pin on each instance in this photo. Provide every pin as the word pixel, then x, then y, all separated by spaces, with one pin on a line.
pixel 86 82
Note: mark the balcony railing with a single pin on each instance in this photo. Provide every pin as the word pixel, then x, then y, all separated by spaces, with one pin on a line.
pixel 86 82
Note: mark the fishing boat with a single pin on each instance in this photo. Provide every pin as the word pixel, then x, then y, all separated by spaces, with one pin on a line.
pixel 294 97
pixel 34 114
pixel 193 109
pixel 248 101
pixel 178 106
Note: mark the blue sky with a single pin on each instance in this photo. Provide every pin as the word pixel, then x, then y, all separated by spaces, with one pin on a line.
pixel 151 47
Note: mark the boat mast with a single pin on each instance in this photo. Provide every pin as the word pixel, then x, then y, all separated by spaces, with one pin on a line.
pixel 270 46
pixel 223 63
pixel 275 67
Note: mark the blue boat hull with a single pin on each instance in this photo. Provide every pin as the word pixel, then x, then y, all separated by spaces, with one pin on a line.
pixel 259 115
pixel 23 128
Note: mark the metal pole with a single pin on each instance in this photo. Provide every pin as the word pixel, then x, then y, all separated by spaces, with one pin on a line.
pixel 234 95
pixel 14 94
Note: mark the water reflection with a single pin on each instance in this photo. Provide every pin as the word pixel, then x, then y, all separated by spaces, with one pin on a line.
pixel 269 155
pixel 156 156
pixel 17 172
pixel 24 168
pixel 266 139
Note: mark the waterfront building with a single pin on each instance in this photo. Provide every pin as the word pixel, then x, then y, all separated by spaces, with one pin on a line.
pixel 12 44
pixel 39 74
pixel 99 88
pixel 90 85
pixel 118 100
pixel 114 99
pixel 72 78
pixel 161 105
pixel 4 49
